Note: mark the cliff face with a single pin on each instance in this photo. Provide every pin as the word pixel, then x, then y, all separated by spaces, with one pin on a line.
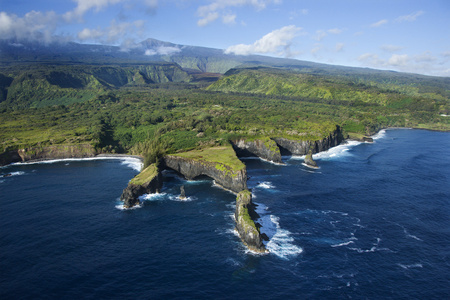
pixel 299 147
pixel 57 152
pixel 130 195
pixel 246 227
pixel 267 150
pixel 9 157
pixel 309 161
pixel 189 168
pixel 47 152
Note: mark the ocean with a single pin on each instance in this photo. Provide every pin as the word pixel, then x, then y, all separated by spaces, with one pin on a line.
pixel 373 222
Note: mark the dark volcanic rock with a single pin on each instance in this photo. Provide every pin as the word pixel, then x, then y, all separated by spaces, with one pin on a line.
pixel 182 193
pixel 309 161
pixel 234 181
pixel 367 139
pixel 130 195
pixel 266 150
pixel 245 224
pixel 300 147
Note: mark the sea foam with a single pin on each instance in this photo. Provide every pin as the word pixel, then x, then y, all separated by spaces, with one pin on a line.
pixel 281 242
pixel 265 185
pixel 131 162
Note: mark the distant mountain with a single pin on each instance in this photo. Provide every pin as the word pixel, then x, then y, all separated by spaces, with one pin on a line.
pixel 151 50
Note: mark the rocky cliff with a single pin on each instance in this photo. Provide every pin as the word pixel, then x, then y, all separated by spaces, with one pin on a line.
pixel 57 152
pixel 48 152
pixel 309 161
pixel 234 180
pixel 248 230
pixel 264 148
pixel 301 147
pixel 148 181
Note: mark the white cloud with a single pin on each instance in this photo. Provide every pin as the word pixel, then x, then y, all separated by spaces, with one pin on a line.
pixel 335 31
pixel 316 49
pixel 115 33
pixel 34 26
pixel 208 18
pixel 162 51
pixel 371 59
pixel 211 12
pixel 84 6
pixel 411 17
pixel 425 57
pixel 398 60
pixel 320 34
pixel 379 23
pixel 391 48
pixel 446 54
pixel 339 47
pixel 277 42
pixel 229 19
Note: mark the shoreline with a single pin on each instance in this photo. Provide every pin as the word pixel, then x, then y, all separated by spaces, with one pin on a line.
pixel 96 157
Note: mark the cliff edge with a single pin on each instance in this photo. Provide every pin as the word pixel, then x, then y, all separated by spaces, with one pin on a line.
pixel 301 147
pixel 219 163
pixel 148 181
pixel 245 224
pixel 263 147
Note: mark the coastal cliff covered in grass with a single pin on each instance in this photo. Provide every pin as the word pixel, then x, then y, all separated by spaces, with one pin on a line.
pixel 219 163
pixel 147 181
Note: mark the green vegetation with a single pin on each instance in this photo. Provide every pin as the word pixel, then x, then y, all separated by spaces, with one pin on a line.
pixel 223 157
pixel 243 200
pixel 146 175
pixel 153 110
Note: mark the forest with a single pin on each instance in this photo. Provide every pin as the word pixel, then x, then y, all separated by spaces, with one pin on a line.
pixel 156 108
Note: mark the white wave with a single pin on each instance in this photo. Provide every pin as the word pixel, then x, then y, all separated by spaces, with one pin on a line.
pixel 17 173
pixel 281 242
pixel 132 162
pixel 342 244
pixel 194 182
pixel 381 134
pixel 336 152
pixel 177 198
pixel 414 237
pixel 372 249
pixel 152 197
pixel 122 207
pixel 332 153
pixel 406 267
pixel 265 185
pixel 311 167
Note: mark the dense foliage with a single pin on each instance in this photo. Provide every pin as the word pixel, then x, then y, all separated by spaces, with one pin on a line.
pixel 119 113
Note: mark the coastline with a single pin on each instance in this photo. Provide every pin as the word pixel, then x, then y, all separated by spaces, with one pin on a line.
pixel 54 160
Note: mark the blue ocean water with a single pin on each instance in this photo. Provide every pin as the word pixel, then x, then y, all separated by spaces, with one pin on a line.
pixel 371 223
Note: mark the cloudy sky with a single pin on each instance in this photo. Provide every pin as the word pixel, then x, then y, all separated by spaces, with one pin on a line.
pixel 402 35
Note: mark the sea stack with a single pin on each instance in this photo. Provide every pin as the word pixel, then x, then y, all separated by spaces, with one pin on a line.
pixel 309 161
pixel 182 193
pixel 245 225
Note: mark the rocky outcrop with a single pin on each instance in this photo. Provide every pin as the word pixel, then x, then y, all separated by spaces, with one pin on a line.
pixel 301 147
pixel 48 152
pixel 309 161
pixel 235 181
pixel 57 152
pixel 149 181
pixel 265 149
pixel 9 157
pixel 367 139
pixel 245 225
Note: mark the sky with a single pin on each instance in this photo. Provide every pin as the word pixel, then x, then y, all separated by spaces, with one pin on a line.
pixel 401 35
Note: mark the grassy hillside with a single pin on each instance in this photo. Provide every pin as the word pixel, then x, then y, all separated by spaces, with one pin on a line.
pixel 155 108
pixel 45 85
